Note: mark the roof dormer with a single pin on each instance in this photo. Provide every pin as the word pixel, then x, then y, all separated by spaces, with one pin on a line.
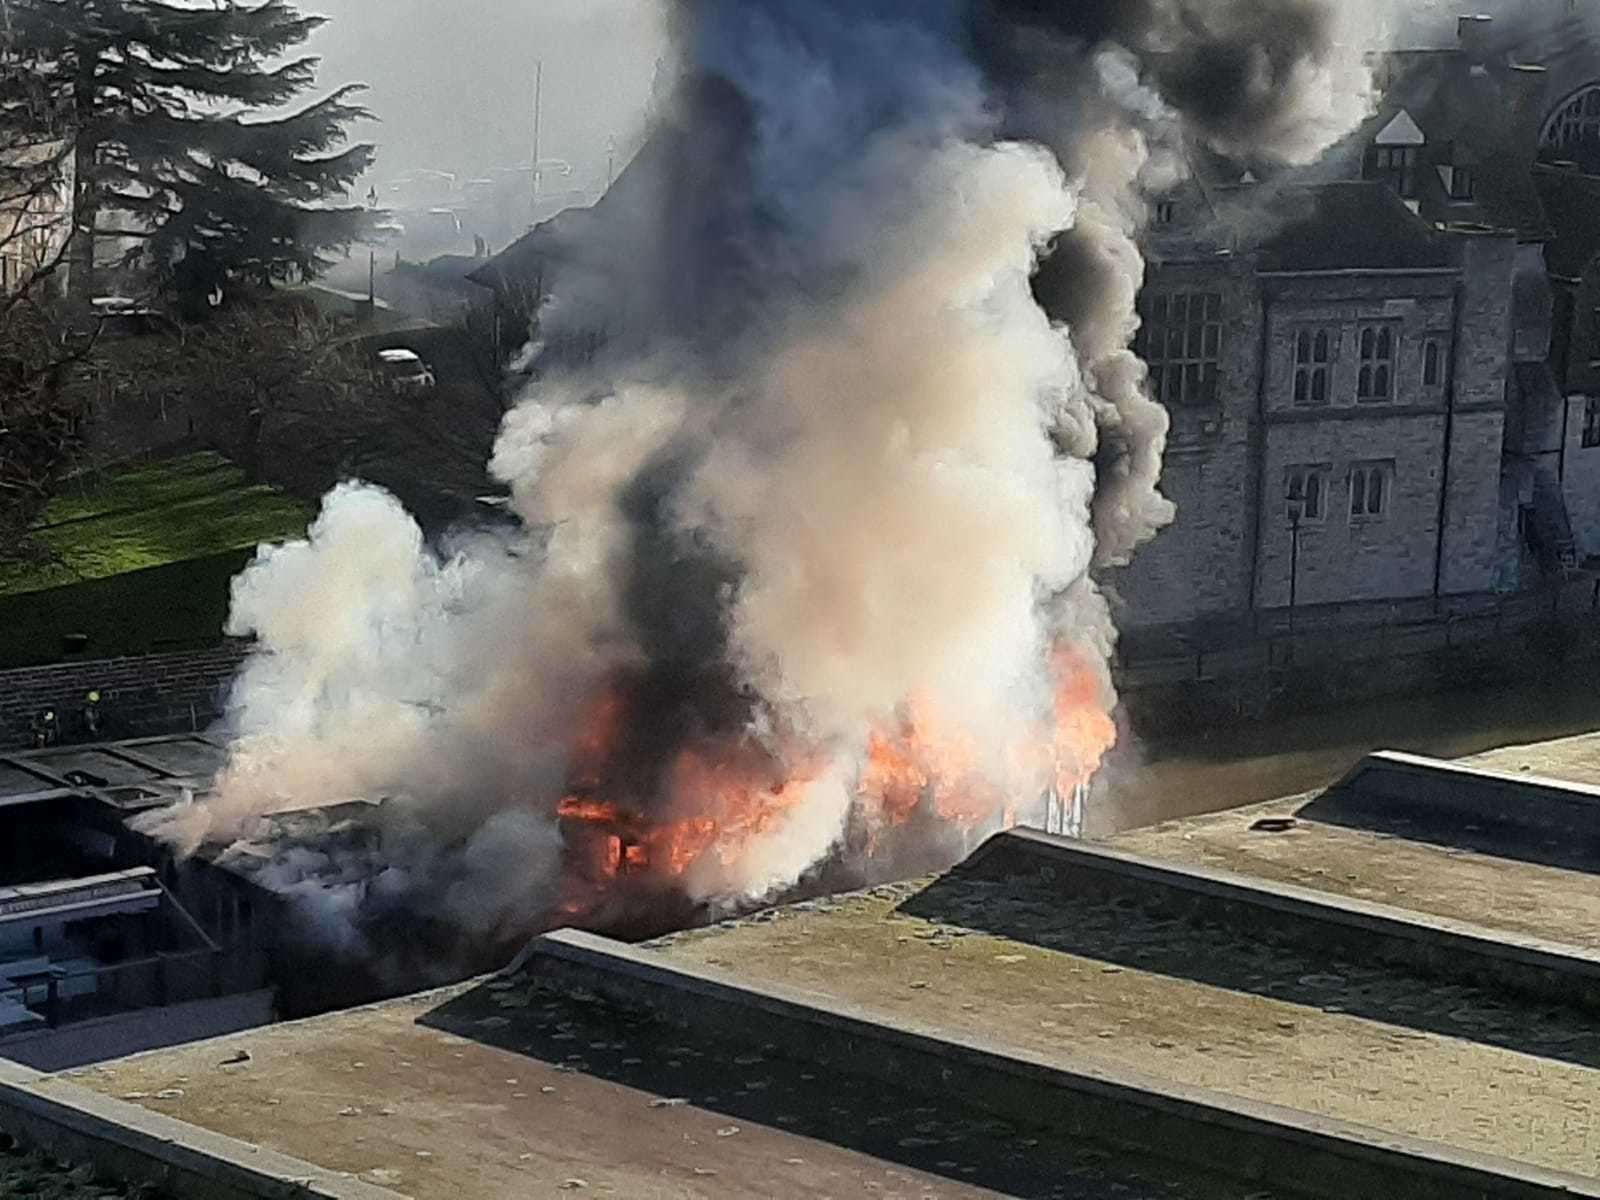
pixel 1392 158
pixel 1401 131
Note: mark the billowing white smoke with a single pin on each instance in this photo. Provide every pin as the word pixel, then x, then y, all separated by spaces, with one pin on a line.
pixel 888 482
pixel 894 451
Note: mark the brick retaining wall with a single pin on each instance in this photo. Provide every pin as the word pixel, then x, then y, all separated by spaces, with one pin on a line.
pixel 155 693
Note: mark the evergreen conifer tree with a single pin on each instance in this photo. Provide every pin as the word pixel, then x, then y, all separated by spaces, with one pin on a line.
pixel 176 141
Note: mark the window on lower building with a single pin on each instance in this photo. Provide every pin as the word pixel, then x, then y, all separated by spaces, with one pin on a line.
pixel 1313 354
pixel 1305 493
pixel 1462 183
pixel 1181 340
pixel 1396 166
pixel 1591 422
pixel 1376 381
pixel 1370 485
pixel 1164 212
pixel 1431 372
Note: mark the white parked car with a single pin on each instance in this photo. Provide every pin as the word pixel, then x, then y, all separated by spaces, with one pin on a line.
pixel 406 370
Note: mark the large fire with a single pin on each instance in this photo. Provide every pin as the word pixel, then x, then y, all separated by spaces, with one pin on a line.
pixel 718 798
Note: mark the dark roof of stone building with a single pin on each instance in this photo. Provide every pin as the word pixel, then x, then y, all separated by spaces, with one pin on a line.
pixel 1572 203
pixel 1481 117
pixel 1353 226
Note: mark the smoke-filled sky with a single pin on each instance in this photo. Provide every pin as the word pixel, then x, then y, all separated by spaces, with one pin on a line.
pixel 807 546
pixel 452 80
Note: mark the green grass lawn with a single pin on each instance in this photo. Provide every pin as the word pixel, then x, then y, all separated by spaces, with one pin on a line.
pixel 143 560
pixel 168 512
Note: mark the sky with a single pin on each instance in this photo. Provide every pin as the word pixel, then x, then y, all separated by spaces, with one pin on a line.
pixel 452 81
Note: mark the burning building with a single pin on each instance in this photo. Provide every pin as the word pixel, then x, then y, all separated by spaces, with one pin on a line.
pixel 804 591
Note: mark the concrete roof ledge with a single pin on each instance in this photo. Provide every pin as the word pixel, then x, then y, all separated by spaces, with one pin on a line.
pixel 1323 922
pixel 1303 1153
pixel 130 1143
pixel 1404 762
pixel 1531 803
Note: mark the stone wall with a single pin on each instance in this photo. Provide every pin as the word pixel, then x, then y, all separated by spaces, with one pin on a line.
pixel 157 693
pixel 1526 637
pixel 1471 557
pixel 1200 565
pixel 1581 479
pixel 1342 557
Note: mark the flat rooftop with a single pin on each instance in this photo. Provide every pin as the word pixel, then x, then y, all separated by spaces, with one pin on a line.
pixel 498 1088
pixel 1388 988
pixel 1461 867
pixel 137 771
pixel 1088 983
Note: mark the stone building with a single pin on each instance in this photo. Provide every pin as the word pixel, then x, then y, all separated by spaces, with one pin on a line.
pixel 1368 361
pixel 1378 367
pixel 35 210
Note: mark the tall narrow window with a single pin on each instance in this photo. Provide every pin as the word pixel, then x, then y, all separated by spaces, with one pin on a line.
pixel 1369 490
pixel 1313 352
pixel 1164 212
pixel 1430 363
pixel 1462 184
pixel 1396 166
pixel 1182 342
pixel 1305 493
pixel 1591 422
pixel 1376 380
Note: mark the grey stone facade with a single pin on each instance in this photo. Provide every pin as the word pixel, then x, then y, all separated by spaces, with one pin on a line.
pixel 1388 424
pixel 1434 437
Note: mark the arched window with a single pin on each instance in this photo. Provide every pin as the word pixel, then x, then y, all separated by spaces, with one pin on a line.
pixel 1304 492
pixel 1312 354
pixel 1375 382
pixel 1574 126
pixel 1430 364
pixel 1369 490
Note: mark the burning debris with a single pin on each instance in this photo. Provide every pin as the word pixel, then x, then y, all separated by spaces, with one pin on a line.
pixel 805 595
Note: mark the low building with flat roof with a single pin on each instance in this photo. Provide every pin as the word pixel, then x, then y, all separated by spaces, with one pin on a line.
pixel 108 945
pixel 1387 988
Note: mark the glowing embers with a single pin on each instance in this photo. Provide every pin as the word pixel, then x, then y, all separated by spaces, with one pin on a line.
pixel 712 796
pixel 649 814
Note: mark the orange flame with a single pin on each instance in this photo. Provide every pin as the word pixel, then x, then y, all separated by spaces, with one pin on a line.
pixel 719 797
pixel 1084 729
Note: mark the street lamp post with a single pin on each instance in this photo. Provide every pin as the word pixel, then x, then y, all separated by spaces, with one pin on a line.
pixel 372 258
pixel 538 123
pixel 1294 568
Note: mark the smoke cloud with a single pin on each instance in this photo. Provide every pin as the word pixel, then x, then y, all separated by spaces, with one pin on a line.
pixel 838 478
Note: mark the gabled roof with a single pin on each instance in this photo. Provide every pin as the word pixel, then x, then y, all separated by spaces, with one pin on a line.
pixel 1455 113
pixel 1401 131
pixel 1355 226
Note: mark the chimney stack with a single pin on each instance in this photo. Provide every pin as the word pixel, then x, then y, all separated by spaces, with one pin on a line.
pixel 1472 37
